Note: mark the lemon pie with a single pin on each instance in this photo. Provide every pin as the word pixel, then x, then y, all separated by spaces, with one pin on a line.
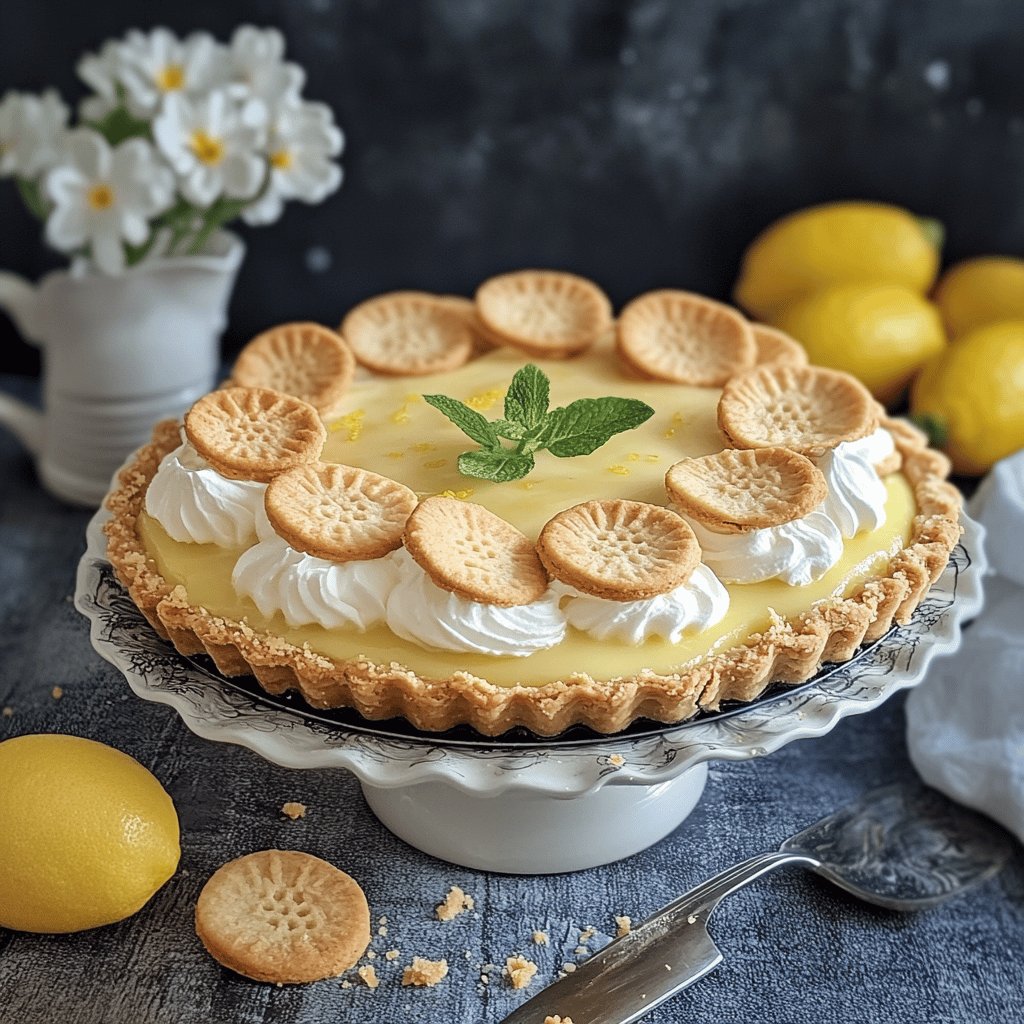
pixel 733 536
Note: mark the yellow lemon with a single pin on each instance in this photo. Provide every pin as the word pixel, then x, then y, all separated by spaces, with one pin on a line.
pixel 835 244
pixel 981 291
pixel 881 334
pixel 87 835
pixel 973 394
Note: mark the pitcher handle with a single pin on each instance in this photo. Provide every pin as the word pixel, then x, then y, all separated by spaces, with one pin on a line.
pixel 18 300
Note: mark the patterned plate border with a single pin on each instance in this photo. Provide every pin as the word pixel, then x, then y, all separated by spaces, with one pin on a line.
pixel 224 714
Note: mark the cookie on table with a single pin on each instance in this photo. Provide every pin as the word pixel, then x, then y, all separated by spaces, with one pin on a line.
pixel 282 916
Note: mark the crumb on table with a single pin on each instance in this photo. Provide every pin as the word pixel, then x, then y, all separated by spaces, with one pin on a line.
pixel 392 954
pixel 369 975
pixel 455 903
pixel 8 711
pixel 623 925
pixel 540 938
pixel 293 810
pixel 519 971
pixel 424 973
pixel 555 1019
pixel 57 692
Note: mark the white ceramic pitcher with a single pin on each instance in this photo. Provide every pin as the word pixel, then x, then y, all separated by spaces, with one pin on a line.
pixel 119 353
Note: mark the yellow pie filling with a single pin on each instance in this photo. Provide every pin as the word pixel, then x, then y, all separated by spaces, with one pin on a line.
pixel 386 426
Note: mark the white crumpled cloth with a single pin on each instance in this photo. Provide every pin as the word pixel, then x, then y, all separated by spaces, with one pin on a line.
pixel 965 723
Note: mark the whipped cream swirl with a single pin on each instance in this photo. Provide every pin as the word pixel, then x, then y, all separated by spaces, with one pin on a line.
pixel 699 603
pixel 195 504
pixel 856 494
pixel 798 552
pixel 313 591
pixel 420 611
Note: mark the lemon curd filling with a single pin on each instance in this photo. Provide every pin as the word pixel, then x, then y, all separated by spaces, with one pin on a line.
pixel 387 427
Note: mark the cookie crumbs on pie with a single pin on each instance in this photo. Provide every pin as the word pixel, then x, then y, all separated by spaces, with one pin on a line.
pixel 519 971
pixel 57 692
pixel 293 809
pixel 540 938
pixel 455 903
pixel 369 975
pixel 424 973
pixel 624 925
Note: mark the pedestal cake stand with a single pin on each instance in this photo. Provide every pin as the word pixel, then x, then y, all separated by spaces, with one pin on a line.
pixel 509 804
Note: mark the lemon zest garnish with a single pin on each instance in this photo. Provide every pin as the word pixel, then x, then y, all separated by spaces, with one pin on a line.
pixel 401 414
pixel 484 400
pixel 351 423
pixel 637 457
pixel 435 464
pixel 394 455
pixel 422 447
pixel 461 495
pixel 619 470
pixel 677 421
pixel 527 485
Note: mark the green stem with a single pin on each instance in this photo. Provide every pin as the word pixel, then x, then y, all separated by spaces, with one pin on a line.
pixel 32 196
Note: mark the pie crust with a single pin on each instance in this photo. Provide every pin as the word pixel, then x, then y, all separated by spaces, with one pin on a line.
pixel 789 651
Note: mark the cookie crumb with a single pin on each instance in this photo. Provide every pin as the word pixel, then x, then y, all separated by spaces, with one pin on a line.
pixel 624 925
pixel 383 919
pixel 57 692
pixel 519 971
pixel 392 954
pixel 455 903
pixel 424 973
pixel 557 1020
pixel 8 711
pixel 616 760
pixel 382 931
pixel 370 955
pixel 540 938
pixel 581 950
pixel 587 934
pixel 293 810
pixel 369 975
pixel 346 984
pixel 568 968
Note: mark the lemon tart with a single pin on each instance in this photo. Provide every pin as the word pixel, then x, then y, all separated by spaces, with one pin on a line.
pixel 483 609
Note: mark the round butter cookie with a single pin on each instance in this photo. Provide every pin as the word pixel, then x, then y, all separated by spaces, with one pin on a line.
pixel 734 491
pixel 685 338
pixel 805 408
pixel 408 333
pixel 254 433
pixel 469 551
pixel 341 513
pixel 544 313
pixel 619 550
pixel 306 360
pixel 284 917
pixel 775 346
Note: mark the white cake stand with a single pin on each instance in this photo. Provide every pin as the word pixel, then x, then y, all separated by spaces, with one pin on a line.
pixel 525 806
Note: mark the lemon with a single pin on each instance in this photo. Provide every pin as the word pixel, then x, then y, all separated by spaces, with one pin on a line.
pixel 881 334
pixel 974 394
pixel 87 835
pixel 835 244
pixel 979 292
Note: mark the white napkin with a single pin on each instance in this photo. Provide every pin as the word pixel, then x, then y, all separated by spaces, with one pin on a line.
pixel 965 723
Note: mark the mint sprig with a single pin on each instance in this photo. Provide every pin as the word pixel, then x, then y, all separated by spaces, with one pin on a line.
pixel 579 428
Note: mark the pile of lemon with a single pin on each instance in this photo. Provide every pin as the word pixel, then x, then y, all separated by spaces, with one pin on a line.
pixel 855 283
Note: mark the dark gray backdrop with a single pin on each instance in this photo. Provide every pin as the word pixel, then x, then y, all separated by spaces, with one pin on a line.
pixel 640 142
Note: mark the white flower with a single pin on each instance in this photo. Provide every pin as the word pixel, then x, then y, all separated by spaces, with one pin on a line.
pixel 101 72
pixel 258 66
pixel 102 196
pixel 160 64
pixel 300 144
pixel 214 146
pixel 31 131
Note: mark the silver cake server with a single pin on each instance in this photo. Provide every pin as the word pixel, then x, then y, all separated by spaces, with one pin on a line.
pixel 904 848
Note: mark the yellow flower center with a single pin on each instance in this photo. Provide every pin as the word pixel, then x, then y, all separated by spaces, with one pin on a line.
pixel 206 148
pixel 170 78
pixel 281 159
pixel 100 197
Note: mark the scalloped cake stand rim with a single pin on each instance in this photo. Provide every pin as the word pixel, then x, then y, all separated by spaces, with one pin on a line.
pixel 226 714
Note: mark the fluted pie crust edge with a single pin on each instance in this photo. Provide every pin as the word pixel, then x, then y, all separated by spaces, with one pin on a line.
pixel 789 651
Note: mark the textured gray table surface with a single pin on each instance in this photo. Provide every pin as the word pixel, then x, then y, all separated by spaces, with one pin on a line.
pixel 796 950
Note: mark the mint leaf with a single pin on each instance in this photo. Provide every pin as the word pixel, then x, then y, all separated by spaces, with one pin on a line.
pixel 528 395
pixel 509 430
pixel 469 421
pixel 500 466
pixel 584 425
